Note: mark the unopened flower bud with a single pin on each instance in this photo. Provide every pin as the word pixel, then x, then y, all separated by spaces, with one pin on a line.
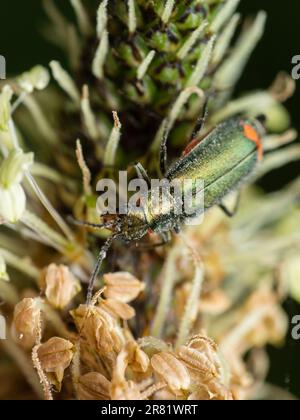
pixel 36 78
pixel 5 107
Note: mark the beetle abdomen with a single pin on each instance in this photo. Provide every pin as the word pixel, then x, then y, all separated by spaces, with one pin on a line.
pixel 222 160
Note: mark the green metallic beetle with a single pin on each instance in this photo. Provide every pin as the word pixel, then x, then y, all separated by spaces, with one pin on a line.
pixel 224 159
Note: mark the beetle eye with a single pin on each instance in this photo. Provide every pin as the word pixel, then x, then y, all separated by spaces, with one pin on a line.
pixel 262 119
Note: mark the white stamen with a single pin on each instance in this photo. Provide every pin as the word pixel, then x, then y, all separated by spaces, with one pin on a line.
pixel 168 11
pixel 65 81
pixel 102 18
pixel 100 56
pixel 113 142
pixel 191 41
pixel 142 70
pixel 202 64
pixel 132 23
pixel 88 115
pixel 225 38
pixel 82 17
pixel 225 13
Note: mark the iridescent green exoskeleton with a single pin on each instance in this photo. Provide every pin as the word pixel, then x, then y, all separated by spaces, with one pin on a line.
pixel 223 160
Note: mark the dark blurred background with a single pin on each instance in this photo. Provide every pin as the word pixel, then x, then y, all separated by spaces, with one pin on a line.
pixel 23 46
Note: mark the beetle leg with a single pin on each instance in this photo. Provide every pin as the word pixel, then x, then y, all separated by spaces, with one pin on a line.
pixel 101 257
pixel 87 224
pixel 227 211
pixel 163 153
pixel 142 173
pixel 166 237
pixel 201 121
pixel 177 229
pixel 195 138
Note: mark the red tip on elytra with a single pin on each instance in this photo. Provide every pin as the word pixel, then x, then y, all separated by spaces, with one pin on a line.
pixel 190 147
pixel 252 135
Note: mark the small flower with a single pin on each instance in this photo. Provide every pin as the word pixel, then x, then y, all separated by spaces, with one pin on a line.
pixel 122 286
pixel 171 370
pixel 26 322
pixel 55 356
pixel 36 78
pixel 3 273
pixel 12 195
pixel 60 285
pixel 5 107
pixel 93 386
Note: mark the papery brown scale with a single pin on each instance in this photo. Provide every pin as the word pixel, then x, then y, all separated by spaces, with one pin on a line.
pixel 98 328
pixel 197 360
pixel 93 386
pixel 139 361
pixel 26 322
pixel 118 309
pixel 55 356
pixel 202 342
pixel 125 390
pixel 211 390
pixel 122 286
pixel 214 302
pixel 60 285
pixel 207 346
pixel 171 370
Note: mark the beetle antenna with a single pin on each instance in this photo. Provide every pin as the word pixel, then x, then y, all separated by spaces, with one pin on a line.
pixel 101 256
pixel 87 224
pixel 201 121
pixel 163 153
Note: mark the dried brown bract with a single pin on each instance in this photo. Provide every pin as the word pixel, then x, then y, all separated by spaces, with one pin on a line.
pixel 55 356
pixel 98 328
pixel 60 285
pixel 118 309
pixel 26 322
pixel 171 370
pixel 93 386
pixel 122 286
